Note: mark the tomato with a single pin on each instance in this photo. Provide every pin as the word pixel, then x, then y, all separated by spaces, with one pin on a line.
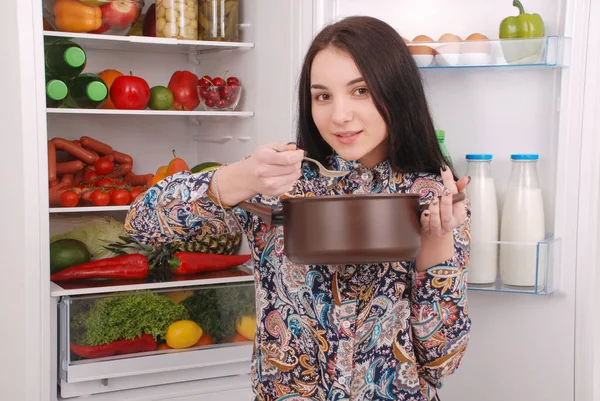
pixel 105 182
pixel 120 197
pixel 100 198
pixel 184 84
pixel 233 81
pixel 90 175
pixel 130 93
pixel 69 199
pixel 104 166
pixel 135 192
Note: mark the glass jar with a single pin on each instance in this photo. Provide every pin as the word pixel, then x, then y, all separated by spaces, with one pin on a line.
pixel 177 19
pixel 219 20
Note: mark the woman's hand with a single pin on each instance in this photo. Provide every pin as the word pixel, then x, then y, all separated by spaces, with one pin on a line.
pixel 274 172
pixel 265 172
pixel 442 216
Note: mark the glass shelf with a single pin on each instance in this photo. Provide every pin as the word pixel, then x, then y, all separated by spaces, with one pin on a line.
pixel 545 277
pixel 550 51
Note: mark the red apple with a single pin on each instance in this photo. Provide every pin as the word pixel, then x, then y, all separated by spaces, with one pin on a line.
pixel 149 26
pixel 120 13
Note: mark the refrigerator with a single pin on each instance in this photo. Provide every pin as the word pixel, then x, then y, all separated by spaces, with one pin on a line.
pixel 533 344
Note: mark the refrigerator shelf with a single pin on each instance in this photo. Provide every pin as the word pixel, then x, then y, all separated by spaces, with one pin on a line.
pixel 147 44
pixel 546 273
pixel 172 113
pixel 241 274
pixel 88 209
pixel 550 51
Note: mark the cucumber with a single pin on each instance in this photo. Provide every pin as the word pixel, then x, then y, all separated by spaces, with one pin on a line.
pixel 205 166
pixel 66 253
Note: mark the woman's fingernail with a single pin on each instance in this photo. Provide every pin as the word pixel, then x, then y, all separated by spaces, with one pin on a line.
pixel 435 201
pixel 468 182
pixel 291 143
pixel 444 167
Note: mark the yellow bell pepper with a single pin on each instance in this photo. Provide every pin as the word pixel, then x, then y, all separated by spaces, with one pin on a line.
pixel 74 16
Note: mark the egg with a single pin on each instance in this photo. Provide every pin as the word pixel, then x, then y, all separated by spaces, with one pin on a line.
pixel 449 49
pixel 482 44
pixel 426 50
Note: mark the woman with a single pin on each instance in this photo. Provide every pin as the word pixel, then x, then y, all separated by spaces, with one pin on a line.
pixel 387 331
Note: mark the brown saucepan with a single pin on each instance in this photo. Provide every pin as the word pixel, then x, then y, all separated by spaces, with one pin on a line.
pixel 348 229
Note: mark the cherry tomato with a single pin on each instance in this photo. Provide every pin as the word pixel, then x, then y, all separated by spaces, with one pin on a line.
pixel 90 175
pixel 233 81
pixel 205 81
pixel 218 81
pixel 104 166
pixel 105 182
pixel 135 192
pixel 120 197
pixel 100 198
pixel 69 199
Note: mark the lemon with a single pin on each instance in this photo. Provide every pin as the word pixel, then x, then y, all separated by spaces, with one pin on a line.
pixel 246 326
pixel 183 334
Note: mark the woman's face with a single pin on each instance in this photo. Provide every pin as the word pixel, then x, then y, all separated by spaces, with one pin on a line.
pixel 343 110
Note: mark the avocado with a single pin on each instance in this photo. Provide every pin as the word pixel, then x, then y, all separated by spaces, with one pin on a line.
pixel 205 167
pixel 66 253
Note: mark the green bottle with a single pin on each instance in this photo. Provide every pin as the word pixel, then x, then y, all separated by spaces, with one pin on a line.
pixel 56 92
pixel 64 59
pixel 441 137
pixel 86 91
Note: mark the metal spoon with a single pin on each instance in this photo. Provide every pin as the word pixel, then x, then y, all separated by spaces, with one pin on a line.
pixel 324 171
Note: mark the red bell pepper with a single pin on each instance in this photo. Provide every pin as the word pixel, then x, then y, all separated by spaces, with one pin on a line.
pixel 192 262
pixel 130 266
pixel 143 343
pixel 184 85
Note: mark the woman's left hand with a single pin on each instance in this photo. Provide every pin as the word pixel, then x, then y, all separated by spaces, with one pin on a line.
pixel 442 216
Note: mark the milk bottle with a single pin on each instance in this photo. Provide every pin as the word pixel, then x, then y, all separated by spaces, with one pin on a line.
pixel 522 224
pixel 483 267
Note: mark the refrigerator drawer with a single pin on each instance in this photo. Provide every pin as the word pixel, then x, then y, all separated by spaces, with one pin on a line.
pixel 120 341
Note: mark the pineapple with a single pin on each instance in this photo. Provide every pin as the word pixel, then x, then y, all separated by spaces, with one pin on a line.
pixel 222 244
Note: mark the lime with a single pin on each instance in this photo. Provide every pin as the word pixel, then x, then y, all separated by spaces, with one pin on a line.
pixel 205 167
pixel 161 98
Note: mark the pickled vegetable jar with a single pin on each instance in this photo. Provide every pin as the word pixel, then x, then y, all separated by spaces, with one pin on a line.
pixel 219 20
pixel 177 19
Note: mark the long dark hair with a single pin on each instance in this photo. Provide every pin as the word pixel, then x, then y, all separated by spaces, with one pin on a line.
pixel 395 85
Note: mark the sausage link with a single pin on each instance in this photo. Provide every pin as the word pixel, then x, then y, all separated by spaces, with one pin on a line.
pixel 123 158
pixel 69 167
pixel 77 151
pixel 96 145
pixel 51 161
pixel 136 180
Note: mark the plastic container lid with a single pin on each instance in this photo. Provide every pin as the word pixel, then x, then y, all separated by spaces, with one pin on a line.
pixel 56 89
pixel 74 57
pixel 97 91
pixel 441 135
pixel 531 156
pixel 483 156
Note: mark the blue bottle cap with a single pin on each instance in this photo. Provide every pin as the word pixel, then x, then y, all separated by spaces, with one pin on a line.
pixel 530 156
pixel 484 156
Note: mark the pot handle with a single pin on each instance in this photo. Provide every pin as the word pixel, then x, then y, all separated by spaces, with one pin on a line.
pixel 263 211
pixel 458 197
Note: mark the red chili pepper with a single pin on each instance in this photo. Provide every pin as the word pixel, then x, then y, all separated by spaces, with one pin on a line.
pixel 143 343
pixel 130 266
pixel 192 262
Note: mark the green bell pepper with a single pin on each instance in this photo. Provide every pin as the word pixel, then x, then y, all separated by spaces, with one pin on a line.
pixel 522 26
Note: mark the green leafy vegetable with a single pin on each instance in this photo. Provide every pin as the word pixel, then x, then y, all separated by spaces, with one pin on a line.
pixel 94 231
pixel 216 309
pixel 125 317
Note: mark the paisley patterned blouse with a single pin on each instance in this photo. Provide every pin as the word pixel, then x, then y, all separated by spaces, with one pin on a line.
pixel 341 332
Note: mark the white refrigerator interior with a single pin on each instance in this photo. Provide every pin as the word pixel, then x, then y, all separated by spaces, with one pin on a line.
pixel 522 341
